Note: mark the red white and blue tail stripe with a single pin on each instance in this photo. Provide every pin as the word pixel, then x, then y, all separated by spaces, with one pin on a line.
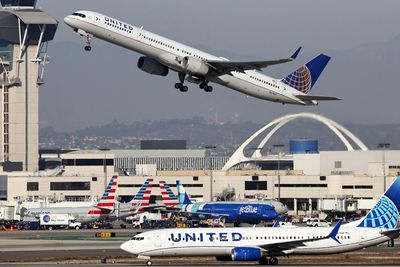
pixel 107 201
pixel 142 198
pixel 168 197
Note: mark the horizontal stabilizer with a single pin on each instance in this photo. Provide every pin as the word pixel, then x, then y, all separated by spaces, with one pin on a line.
pixel 317 97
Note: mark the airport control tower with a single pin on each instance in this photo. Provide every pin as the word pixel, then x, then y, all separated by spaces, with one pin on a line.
pixel 24 35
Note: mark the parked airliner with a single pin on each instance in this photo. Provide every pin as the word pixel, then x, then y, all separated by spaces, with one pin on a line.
pixel 235 212
pixel 162 54
pixel 105 208
pixel 265 244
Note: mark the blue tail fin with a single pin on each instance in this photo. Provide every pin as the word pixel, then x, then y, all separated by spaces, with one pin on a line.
pixel 385 214
pixel 183 197
pixel 304 78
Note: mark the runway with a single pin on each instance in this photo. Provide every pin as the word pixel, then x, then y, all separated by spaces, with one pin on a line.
pixel 82 248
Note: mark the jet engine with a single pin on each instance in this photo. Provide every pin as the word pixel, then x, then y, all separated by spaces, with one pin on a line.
pixel 195 66
pixel 152 66
pixel 246 254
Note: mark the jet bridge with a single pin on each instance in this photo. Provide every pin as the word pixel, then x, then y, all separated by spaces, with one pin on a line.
pixel 24 36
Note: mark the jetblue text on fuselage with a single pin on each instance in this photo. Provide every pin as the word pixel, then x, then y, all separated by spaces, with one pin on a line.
pixel 248 209
pixel 201 237
pixel 118 23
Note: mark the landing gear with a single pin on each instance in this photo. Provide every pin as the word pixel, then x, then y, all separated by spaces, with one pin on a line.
pixel 149 263
pixel 273 261
pixel 206 87
pixel 180 85
pixel 270 261
pixel 88 46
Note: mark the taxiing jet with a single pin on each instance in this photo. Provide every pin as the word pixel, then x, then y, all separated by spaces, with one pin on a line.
pixel 266 244
pixel 162 54
pixel 230 212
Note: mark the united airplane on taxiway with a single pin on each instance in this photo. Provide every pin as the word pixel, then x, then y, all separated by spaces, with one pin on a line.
pixel 266 244
pixel 193 65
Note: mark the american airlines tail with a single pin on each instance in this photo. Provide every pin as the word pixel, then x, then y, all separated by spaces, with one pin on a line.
pixel 305 77
pixel 182 195
pixel 107 201
pixel 168 197
pixel 142 198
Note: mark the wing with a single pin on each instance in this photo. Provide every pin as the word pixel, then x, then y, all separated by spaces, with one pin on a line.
pixel 223 67
pixel 317 97
pixel 283 248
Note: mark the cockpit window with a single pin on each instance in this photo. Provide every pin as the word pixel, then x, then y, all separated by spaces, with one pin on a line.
pixel 79 15
pixel 137 238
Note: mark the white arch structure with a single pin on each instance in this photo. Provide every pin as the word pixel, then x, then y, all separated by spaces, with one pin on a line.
pixel 335 127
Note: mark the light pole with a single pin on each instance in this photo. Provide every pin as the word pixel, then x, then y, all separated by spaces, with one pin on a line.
pixel 254 149
pixel 210 148
pixel 384 146
pixel 278 147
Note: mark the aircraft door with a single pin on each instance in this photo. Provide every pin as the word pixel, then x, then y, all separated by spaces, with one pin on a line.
pixel 158 239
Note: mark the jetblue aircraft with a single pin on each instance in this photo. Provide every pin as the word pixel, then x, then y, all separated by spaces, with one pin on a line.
pixel 105 208
pixel 162 54
pixel 265 244
pixel 231 212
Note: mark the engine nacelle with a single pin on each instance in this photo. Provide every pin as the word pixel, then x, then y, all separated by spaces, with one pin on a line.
pixel 195 66
pixel 152 66
pixel 246 254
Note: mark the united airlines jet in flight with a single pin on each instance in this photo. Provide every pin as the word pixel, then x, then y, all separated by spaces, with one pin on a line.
pixel 266 244
pixel 162 54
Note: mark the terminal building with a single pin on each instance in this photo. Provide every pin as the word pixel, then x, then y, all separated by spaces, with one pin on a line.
pixel 307 180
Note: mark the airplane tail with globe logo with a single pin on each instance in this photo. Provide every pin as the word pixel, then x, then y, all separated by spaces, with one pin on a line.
pixel 304 78
pixel 385 213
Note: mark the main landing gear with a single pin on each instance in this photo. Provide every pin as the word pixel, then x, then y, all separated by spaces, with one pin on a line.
pixel 206 87
pixel 180 86
pixel 149 263
pixel 270 261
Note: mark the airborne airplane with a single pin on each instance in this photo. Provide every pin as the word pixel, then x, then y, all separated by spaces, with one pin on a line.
pixel 162 54
pixel 265 244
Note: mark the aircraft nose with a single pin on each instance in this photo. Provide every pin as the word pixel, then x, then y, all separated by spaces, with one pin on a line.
pixel 68 20
pixel 126 247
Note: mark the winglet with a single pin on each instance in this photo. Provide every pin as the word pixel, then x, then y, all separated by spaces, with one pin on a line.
pixel 296 53
pixel 276 223
pixel 335 231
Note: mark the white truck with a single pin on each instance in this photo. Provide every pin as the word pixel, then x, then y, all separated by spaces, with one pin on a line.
pixel 58 221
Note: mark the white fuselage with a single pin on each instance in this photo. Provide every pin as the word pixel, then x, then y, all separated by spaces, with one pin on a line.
pixel 220 241
pixel 80 214
pixel 167 52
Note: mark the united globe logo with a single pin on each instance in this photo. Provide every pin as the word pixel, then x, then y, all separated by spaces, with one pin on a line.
pixel 383 215
pixel 46 218
pixel 300 80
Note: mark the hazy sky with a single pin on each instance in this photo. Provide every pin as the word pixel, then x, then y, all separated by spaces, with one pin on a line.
pixel 88 89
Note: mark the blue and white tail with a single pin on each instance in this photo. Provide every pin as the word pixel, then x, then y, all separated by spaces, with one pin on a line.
pixel 182 195
pixel 304 78
pixel 385 213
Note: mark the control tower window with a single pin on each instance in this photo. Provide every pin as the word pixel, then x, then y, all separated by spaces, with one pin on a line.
pixel 79 15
